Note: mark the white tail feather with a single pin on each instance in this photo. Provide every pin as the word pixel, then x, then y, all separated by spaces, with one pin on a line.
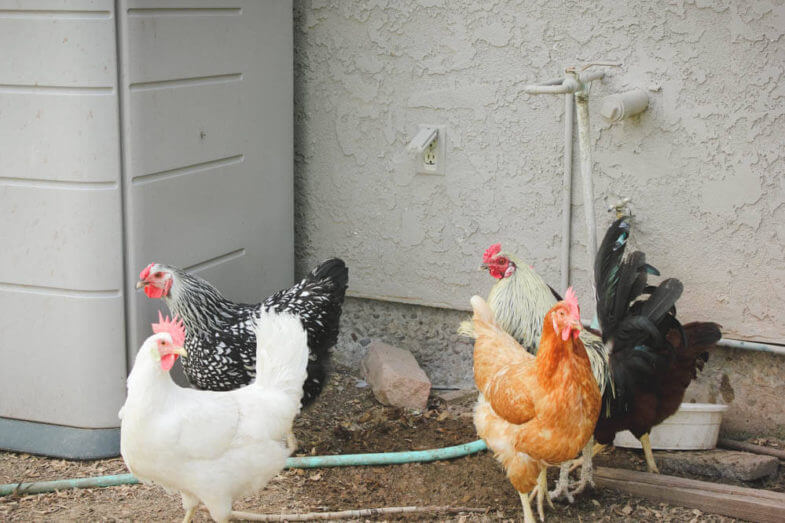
pixel 481 310
pixel 281 353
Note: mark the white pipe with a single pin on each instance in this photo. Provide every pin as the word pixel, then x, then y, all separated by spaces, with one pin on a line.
pixel 568 85
pixel 732 344
pixel 575 83
pixel 582 103
pixel 589 76
pixel 566 193
pixel 547 89
pixel 752 345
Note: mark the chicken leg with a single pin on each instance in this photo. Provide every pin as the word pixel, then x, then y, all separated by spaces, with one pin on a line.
pixel 189 515
pixel 528 515
pixel 562 486
pixel 542 492
pixel 190 504
pixel 650 463
pixel 587 467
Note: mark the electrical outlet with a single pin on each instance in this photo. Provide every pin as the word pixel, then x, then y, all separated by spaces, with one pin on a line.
pixel 432 159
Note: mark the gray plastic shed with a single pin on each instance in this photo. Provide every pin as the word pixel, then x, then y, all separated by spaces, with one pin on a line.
pixel 130 132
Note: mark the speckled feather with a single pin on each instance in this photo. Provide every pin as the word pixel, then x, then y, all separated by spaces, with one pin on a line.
pixel 221 343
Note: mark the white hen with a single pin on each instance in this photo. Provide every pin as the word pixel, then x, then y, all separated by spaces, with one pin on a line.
pixel 213 446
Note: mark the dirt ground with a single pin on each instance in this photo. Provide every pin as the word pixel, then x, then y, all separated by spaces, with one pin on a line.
pixel 347 419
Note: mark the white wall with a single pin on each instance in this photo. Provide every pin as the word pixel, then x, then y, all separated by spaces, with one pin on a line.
pixel 704 165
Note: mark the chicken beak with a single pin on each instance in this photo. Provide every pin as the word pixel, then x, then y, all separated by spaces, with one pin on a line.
pixel 576 325
pixel 483 267
pixel 140 284
pixel 180 352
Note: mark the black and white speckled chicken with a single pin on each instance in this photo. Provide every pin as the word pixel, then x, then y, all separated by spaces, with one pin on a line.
pixel 221 341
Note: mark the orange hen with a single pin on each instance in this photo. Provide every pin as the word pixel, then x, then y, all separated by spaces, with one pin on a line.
pixel 534 412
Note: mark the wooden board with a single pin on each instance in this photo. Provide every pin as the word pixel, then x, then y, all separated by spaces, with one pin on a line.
pixel 739 502
pixel 749 447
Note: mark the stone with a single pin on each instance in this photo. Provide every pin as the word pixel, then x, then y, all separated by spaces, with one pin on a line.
pixel 718 463
pixel 456 396
pixel 395 377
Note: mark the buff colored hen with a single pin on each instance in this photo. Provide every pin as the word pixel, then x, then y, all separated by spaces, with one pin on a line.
pixel 533 411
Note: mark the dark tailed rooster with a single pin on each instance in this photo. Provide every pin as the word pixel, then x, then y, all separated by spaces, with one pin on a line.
pixel 221 340
pixel 653 358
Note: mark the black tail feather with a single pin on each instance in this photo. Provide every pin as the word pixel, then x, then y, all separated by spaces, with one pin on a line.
pixel 639 319
pixel 662 300
pixel 318 301
pixel 607 273
pixel 334 270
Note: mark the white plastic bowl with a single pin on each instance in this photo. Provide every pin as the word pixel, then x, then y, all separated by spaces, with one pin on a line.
pixel 695 426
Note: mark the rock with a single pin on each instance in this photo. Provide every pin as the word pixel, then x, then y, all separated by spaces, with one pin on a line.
pixel 456 396
pixel 718 463
pixel 395 377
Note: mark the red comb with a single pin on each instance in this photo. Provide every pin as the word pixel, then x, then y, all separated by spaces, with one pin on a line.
pixel 145 272
pixel 174 327
pixel 490 252
pixel 572 304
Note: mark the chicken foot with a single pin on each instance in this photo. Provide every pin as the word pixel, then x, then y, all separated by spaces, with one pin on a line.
pixel 587 466
pixel 590 450
pixel 648 454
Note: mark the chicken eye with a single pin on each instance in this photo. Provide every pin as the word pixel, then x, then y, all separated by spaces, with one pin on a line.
pixel 158 274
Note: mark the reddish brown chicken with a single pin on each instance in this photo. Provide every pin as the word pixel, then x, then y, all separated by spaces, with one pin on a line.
pixel 660 398
pixel 534 411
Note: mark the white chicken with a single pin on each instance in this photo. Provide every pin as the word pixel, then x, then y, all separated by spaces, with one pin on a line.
pixel 213 446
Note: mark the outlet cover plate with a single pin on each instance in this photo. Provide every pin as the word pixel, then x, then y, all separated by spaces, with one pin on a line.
pixel 432 160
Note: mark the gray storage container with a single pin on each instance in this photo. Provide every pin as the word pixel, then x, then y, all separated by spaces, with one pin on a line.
pixel 147 133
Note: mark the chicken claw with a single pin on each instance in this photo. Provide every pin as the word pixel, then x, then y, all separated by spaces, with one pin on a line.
pixel 587 467
pixel 562 486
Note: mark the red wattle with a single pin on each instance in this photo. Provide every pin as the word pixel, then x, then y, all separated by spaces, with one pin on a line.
pixel 565 333
pixel 167 361
pixel 152 291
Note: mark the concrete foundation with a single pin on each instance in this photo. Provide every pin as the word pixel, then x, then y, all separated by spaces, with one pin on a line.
pixel 751 383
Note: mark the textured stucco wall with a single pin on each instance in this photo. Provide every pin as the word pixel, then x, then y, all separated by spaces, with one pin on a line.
pixel 704 165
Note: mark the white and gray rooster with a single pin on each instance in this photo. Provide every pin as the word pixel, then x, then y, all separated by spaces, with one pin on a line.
pixel 221 341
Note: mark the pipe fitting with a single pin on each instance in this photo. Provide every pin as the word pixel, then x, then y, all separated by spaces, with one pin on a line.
pixel 623 105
